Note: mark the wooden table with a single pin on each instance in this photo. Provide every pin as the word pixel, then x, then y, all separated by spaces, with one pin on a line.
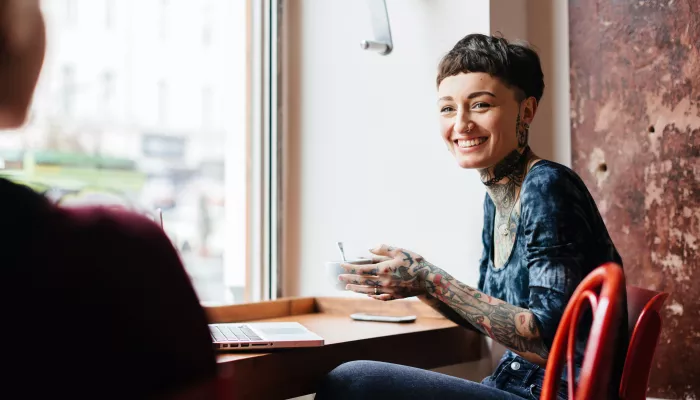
pixel 430 342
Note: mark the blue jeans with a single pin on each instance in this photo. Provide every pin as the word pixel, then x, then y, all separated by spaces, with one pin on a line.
pixel 377 380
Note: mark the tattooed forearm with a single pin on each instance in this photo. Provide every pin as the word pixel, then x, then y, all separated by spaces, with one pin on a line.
pixel 512 326
pixel 447 312
pixel 505 319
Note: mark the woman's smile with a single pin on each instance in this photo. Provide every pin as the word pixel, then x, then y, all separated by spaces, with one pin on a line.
pixel 470 145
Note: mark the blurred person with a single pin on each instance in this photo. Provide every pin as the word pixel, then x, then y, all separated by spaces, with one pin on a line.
pixel 542 234
pixel 95 303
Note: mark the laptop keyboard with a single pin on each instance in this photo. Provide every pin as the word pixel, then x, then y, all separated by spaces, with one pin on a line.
pixel 233 333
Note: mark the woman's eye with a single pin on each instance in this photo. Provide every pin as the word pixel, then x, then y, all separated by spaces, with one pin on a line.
pixel 447 109
pixel 480 105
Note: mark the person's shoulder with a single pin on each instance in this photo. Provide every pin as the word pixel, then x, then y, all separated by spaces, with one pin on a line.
pixel 18 199
pixel 115 228
pixel 555 205
pixel 551 181
pixel 112 219
pixel 548 173
pixel 126 244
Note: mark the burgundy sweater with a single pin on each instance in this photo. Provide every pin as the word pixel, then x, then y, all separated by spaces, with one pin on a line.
pixel 95 303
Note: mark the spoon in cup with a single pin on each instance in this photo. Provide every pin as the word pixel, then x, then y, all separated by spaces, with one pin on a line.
pixel 342 252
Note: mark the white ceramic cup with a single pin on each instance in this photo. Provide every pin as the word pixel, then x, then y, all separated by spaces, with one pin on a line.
pixel 333 269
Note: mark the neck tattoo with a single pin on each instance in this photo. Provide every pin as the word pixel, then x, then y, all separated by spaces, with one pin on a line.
pixel 510 167
pixel 504 195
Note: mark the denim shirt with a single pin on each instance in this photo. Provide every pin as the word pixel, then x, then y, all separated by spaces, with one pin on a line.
pixel 560 238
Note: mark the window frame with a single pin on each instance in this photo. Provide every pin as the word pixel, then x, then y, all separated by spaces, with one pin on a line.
pixel 264 142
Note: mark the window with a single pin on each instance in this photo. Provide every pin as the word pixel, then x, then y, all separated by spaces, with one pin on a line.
pixel 165 143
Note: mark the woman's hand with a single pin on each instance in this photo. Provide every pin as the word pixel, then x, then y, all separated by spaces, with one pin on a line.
pixel 394 274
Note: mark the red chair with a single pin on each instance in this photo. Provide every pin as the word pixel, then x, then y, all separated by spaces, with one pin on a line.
pixel 595 372
pixel 643 308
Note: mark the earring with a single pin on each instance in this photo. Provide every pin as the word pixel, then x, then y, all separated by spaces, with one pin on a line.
pixel 523 134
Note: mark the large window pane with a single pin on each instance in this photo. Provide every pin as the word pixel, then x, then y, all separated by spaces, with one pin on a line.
pixel 142 103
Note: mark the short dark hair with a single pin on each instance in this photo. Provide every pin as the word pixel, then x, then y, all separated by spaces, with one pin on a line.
pixel 516 64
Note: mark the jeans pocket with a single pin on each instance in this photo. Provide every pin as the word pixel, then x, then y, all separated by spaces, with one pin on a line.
pixel 562 393
pixel 499 369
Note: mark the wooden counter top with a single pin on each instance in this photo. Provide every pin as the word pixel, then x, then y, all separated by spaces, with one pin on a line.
pixel 430 342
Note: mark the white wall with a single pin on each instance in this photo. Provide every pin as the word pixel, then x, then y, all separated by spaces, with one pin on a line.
pixel 367 164
pixel 548 31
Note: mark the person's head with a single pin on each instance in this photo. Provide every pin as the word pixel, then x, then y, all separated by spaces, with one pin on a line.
pixel 488 92
pixel 22 45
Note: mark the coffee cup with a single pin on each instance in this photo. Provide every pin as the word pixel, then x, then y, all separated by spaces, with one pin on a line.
pixel 333 269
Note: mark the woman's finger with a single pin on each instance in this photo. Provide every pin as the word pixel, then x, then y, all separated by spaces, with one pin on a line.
pixel 371 269
pixel 378 259
pixel 385 250
pixel 366 269
pixel 383 297
pixel 364 280
pixel 375 290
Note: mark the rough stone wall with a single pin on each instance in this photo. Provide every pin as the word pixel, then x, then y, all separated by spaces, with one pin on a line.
pixel 635 98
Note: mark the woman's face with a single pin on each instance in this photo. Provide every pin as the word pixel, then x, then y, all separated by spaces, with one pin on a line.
pixel 478 118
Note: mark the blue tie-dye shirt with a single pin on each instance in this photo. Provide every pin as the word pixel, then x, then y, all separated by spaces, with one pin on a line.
pixel 560 238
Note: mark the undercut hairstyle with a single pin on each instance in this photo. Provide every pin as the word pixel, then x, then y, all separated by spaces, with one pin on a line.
pixel 515 64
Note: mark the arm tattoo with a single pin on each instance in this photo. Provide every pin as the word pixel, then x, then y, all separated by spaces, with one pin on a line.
pixel 491 316
pixel 448 312
pixel 532 326
pixel 503 327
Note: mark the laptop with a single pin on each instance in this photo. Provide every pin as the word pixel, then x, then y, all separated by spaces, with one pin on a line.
pixel 262 335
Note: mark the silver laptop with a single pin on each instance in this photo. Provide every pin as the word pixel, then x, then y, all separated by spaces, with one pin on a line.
pixel 262 335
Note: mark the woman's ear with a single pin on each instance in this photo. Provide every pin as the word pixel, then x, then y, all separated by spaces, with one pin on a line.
pixel 528 108
pixel 526 114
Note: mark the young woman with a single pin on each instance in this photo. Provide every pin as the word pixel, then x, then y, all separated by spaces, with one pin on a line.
pixel 542 234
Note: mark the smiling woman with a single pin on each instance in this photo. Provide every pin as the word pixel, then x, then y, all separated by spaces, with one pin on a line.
pixel 542 234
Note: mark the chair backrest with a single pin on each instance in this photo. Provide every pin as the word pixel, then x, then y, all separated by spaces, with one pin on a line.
pixel 594 378
pixel 643 309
